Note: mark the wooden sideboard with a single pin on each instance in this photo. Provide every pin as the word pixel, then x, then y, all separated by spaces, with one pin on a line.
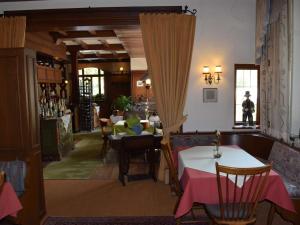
pixel 56 137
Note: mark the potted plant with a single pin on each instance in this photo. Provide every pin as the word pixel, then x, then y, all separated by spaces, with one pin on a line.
pixel 122 103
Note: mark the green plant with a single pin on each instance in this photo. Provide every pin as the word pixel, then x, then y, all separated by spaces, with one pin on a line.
pixel 122 103
pixel 98 97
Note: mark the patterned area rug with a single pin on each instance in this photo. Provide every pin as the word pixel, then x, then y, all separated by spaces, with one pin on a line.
pixel 142 220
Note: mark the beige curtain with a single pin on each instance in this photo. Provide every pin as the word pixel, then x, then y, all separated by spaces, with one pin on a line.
pixel 168 42
pixel 12 30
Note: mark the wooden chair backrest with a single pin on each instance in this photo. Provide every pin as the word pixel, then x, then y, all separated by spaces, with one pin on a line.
pixel 244 204
pixel 173 171
pixel 2 179
pixel 139 142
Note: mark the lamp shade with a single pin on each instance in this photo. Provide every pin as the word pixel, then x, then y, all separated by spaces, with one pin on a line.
pixel 148 81
pixel 218 69
pixel 205 69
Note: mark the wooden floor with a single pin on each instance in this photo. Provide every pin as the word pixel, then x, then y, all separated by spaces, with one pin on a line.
pixel 94 198
pixel 103 195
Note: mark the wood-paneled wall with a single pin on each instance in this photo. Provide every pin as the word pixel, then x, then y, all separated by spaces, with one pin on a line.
pixel 20 126
pixel 43 42
pixel 136 91
pixel 12 30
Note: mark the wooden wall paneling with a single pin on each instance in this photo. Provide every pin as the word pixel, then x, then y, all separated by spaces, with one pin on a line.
pixel 57 75
pixel 41 74
pixel 49 74
pixel 43 42
pixel 19 129
pixel 11 140
pixel 137 92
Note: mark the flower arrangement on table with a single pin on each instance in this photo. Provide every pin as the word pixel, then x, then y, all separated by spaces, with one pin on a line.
pixel 217 143
pixel 132 126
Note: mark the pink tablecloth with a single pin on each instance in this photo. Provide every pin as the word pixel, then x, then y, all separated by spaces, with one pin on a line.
pixel 9 202
pixel 202 187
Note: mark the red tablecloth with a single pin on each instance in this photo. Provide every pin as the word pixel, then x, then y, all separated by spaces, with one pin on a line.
pixel 9 202
pixel 202 187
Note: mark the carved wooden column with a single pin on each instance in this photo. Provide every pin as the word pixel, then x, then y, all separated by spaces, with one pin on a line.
pixel 75 89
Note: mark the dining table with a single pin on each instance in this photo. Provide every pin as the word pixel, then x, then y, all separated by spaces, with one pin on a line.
pixel 9 201
pixel 197 175
pixel 119 131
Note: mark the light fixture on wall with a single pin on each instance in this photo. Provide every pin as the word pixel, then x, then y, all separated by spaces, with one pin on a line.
pixel 209 77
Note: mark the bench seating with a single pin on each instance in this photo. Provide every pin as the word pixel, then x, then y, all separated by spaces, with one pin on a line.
pixel 286 161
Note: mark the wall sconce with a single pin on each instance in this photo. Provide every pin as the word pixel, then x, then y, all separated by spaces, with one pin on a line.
pixel 209 78
pixel 148 83
pixel 121 69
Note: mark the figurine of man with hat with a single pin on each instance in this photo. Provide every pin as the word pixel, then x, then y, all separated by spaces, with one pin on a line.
pixel 248 109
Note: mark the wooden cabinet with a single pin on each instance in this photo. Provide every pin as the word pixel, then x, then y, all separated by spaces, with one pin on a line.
pixel 56 137
pixel 20 126
pixel 48 74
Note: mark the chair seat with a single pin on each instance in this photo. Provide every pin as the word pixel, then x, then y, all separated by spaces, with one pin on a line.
pixel 214 211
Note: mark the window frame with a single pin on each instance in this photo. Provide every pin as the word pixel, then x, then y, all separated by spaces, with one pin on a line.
pixel 257 110
pixel 99 75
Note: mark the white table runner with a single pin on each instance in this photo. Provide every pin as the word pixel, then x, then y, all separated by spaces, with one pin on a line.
pixel 201 158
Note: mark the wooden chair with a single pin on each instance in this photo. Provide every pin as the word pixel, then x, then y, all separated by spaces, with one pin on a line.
pixel 133 145
pixel 2 179
pixel 105 130
pixel 240 210
pixel 175 184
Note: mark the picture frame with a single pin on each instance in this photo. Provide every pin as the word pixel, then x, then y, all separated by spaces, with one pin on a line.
pixel 210 95
pixel 140 83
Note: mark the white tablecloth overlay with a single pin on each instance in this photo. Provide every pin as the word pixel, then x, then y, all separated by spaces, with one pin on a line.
pixel 201 158
pixel 122 122
pixel 66 120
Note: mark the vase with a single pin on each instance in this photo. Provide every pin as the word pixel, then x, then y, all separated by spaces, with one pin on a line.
pixel 217 153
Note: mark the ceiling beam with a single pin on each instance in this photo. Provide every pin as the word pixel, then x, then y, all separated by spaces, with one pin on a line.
pixel 103 56
pixel 83 34
pixel 112 47
pixel 82 44
pixel 87 18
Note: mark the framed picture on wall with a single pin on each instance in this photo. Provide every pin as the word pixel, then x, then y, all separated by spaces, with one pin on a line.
pixel 140 83
pixel 210 95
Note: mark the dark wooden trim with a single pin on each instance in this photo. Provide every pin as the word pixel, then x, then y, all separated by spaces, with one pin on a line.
pixel 104 56
pixel 102 60
pixel 82 34
pixel 106 18
pixel 112 47
pixel 257 110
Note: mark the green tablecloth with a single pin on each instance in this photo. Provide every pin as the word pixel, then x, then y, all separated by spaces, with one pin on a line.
pixel 128 131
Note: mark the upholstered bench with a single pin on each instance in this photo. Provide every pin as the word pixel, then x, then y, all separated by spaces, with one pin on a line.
pixel 286 161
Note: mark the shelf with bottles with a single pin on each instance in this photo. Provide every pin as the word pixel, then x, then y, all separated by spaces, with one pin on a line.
pixel 51 104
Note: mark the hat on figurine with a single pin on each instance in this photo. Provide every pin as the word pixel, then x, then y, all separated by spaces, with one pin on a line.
pixel 247 94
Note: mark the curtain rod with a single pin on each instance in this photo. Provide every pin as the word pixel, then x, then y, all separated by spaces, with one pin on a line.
pixel 186 10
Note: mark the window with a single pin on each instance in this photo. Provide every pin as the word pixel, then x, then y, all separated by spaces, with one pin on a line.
pixel 246 80
pixel 97 78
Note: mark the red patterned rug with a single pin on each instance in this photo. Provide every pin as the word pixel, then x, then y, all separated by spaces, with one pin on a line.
pixel 141 220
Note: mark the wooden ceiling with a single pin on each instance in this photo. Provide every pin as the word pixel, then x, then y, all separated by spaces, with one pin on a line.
pixel 96 33
pixel 102 44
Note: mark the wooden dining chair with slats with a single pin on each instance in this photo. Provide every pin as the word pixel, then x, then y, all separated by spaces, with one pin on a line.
pixel 175 185
pixel 237 203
